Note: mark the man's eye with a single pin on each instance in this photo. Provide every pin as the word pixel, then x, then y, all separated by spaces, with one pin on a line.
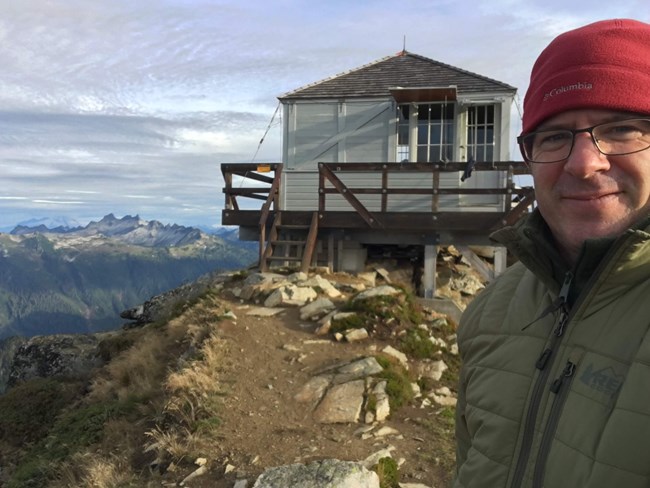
pixel 626 131
pixel 553 138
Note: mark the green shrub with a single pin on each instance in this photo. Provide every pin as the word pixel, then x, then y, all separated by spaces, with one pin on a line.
pixel 29 410
pixel 31 474
pixel 112 346
pixel 388 472
pixel 347 323
pixel 240 275
pixel 398 383
pixel 379 306
pixel 72 431
pixel 416 343
pixel 400 309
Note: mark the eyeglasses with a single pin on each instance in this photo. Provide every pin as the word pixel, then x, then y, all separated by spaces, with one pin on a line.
pixel 611 138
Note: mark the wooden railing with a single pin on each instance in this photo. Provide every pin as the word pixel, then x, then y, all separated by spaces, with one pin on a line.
pixel 254 173
pixel 516 201
pixel 328 172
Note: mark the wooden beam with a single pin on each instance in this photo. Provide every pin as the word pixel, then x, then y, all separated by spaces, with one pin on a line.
pixel 477 263
pixel 429 276
pixel 369 218
pixel 517 167
pixel 310 244
pixel 425 222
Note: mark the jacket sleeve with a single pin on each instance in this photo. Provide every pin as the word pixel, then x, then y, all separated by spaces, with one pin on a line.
pixel 463 439
pixel 468 324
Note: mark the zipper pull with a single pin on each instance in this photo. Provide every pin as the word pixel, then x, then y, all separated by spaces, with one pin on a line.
pixel 564 309
pixel 561 325
pixel 543 359
pixel 567 372
pixel 564 291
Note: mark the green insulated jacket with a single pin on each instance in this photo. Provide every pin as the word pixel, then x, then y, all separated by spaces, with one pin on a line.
pixel 555 386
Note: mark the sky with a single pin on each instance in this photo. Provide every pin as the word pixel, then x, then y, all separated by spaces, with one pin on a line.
pixel 129 107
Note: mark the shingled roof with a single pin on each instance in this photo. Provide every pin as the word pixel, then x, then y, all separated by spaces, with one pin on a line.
pixel 406 70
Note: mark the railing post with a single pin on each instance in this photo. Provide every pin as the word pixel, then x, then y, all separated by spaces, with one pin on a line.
pixel 384 188
pixel 227 178
pixel 321 188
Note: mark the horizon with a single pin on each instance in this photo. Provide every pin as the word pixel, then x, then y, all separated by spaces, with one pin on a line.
pixel 57 221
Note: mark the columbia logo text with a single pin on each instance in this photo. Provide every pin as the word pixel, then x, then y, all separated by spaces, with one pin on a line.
pixel 567 88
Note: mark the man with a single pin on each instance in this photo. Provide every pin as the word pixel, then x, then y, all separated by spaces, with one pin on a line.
pixel 555 384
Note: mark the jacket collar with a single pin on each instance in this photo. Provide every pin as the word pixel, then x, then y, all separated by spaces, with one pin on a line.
pixel 531 241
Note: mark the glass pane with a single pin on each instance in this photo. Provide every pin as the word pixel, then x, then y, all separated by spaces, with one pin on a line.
pixel 449 111
pixel 403 112
pixel 449 133
pixel 436 112
pixel 435 134
pixel 422 133
pixel 423 154
pixel 449 153
pixel 403 154
pixel 403 134
pixel 489 156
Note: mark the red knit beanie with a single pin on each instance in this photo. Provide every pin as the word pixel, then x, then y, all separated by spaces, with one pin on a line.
pixel 604 65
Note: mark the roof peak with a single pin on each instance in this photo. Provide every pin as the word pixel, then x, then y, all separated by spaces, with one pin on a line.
pixel 403 68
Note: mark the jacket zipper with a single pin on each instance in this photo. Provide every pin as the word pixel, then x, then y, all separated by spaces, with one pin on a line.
pixel 544 365
pixel 559 387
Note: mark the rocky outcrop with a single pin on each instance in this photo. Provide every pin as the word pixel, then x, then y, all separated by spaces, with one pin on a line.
pixel 161 308
pixel 8 348
pixel 47 356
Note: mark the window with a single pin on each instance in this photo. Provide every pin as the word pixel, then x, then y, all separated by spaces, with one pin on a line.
pixel 435 132
pixel 480 133
pixel 403 149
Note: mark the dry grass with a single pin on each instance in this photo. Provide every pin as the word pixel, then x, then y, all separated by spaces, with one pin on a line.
pixel 174 372
pixel 141 369
pixel 90 470
pixel 191 413
pixel 138 371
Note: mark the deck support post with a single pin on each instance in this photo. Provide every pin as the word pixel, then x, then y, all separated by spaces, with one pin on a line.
pixel 500 260
pixel 330 252
pixel 429 275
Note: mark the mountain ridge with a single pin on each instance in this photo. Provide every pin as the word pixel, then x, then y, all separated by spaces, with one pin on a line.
pixel 70 280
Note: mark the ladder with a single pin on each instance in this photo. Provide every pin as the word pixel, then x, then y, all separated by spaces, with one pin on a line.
pixel 290 243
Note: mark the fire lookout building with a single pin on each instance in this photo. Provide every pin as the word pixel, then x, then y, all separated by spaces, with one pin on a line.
pixel 404 152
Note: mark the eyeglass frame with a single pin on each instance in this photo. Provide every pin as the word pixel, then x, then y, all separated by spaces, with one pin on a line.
pixel 573 132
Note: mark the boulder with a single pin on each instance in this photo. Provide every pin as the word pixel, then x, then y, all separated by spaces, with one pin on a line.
pixel 329 473
pixel 70 355
pixel 341 404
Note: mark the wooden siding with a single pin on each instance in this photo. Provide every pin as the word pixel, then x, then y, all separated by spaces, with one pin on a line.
pixel 333 132
pixel 304 192
pixel 311 127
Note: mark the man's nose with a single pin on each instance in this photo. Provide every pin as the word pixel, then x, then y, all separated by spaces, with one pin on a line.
pixel 585 159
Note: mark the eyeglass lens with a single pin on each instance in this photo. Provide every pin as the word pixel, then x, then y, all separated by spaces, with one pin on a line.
pixel 611 138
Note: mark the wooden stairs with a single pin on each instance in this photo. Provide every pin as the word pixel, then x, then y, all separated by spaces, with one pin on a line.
pixel 290 244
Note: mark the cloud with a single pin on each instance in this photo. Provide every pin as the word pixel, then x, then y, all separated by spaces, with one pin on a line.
pixel 130 107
